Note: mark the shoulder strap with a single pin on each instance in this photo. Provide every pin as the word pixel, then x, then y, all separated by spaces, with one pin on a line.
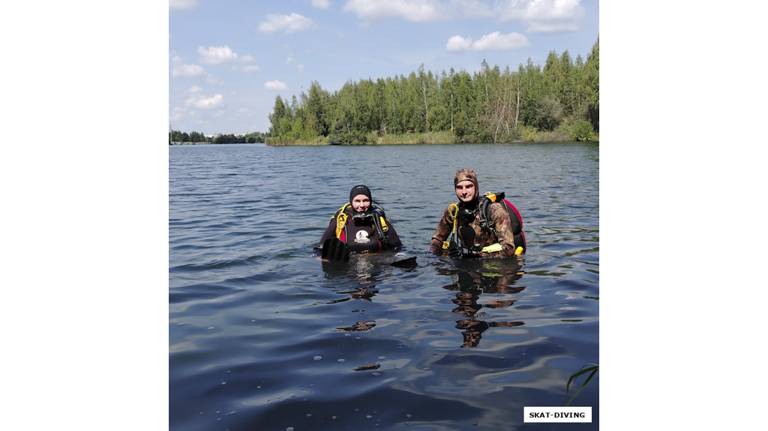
pixel 453 211
pixel 380 217
pixel 341 219
pixel 485 202
pixel 514 215
pixel 486 221
pixel 380 224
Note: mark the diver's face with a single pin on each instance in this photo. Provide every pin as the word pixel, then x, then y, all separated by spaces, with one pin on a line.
pixel 465 191
pixel 361 203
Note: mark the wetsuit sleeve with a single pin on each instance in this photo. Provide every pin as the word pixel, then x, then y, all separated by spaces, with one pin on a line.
pixel 444 227
pixel 330 231
pixel 503 227
pixel 393 237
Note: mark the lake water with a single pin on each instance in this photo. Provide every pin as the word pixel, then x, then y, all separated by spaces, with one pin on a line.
pixel 265 337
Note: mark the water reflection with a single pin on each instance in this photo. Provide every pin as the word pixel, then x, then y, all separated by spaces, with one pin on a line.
pixel 356 278
pixel 473 278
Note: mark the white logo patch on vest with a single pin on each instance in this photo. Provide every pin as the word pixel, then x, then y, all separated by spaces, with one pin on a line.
pixel 362 237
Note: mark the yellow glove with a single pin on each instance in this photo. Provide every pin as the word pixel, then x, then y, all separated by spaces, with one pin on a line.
pixel 493 248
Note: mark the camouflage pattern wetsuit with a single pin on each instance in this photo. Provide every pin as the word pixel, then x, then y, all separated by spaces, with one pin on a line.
pixel 483 237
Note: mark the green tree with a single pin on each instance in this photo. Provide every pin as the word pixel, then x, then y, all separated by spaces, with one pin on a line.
pixel 487 106
pixel 317 110
pixel 279 113
pixel 592 84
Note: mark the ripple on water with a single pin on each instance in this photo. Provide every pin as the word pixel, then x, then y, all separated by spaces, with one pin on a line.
pixel 200 291
pixel 254 317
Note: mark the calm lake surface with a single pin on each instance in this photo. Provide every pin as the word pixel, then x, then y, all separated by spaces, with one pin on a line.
pixel 265 337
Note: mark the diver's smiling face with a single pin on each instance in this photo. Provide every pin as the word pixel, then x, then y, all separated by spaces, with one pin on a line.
pixel 465 190
pixel 361 203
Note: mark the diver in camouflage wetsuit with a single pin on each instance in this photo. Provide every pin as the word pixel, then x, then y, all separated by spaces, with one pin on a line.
pixel 462 230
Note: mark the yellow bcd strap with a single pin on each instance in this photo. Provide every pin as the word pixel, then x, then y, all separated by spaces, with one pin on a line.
pixel 491 196
pixel 453 210
pixel 341 220
pixel 384 225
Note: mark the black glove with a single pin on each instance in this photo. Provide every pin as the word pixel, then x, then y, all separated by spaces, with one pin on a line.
pixel 455 252
pixel 335 250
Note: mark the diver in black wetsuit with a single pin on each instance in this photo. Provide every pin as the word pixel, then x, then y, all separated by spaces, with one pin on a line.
pixel 362 225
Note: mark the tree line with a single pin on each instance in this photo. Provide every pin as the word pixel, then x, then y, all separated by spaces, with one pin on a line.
pixel 177 136
pixel 491 105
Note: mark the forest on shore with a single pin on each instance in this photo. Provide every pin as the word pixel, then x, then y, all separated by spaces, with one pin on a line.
pixel 556 102
pixel 177 137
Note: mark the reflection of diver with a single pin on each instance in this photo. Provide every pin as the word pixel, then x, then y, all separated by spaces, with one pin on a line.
pixel 357 277
pixel 365 269
pixel 472 281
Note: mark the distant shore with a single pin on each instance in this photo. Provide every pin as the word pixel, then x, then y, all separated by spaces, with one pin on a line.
pixel 212 143
pixel 438 138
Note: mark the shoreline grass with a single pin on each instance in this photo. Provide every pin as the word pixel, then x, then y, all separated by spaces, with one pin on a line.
pixel 279 141
pixel 527 136
pixel 444 137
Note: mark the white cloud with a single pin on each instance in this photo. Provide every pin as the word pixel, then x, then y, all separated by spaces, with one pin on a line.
pixel 544 15
pixel 183 4
pixel 544 9
pixel 500 42
pixel 411 10
pixel 187 70
pixel 421 10
pixel 275 85
pixel 288 23
pixel 458 43
pixel 552 27
pixel 539 15
pixel 251 68
pixel 216 54
pixel 490 42
pixel 247 59
pixel 194 89
pixel 321 4
pixel 205 102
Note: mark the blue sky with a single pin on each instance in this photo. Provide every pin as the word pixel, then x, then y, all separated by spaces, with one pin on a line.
pixel 230 58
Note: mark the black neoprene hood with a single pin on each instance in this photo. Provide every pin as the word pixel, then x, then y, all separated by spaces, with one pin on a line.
pixel 359 190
